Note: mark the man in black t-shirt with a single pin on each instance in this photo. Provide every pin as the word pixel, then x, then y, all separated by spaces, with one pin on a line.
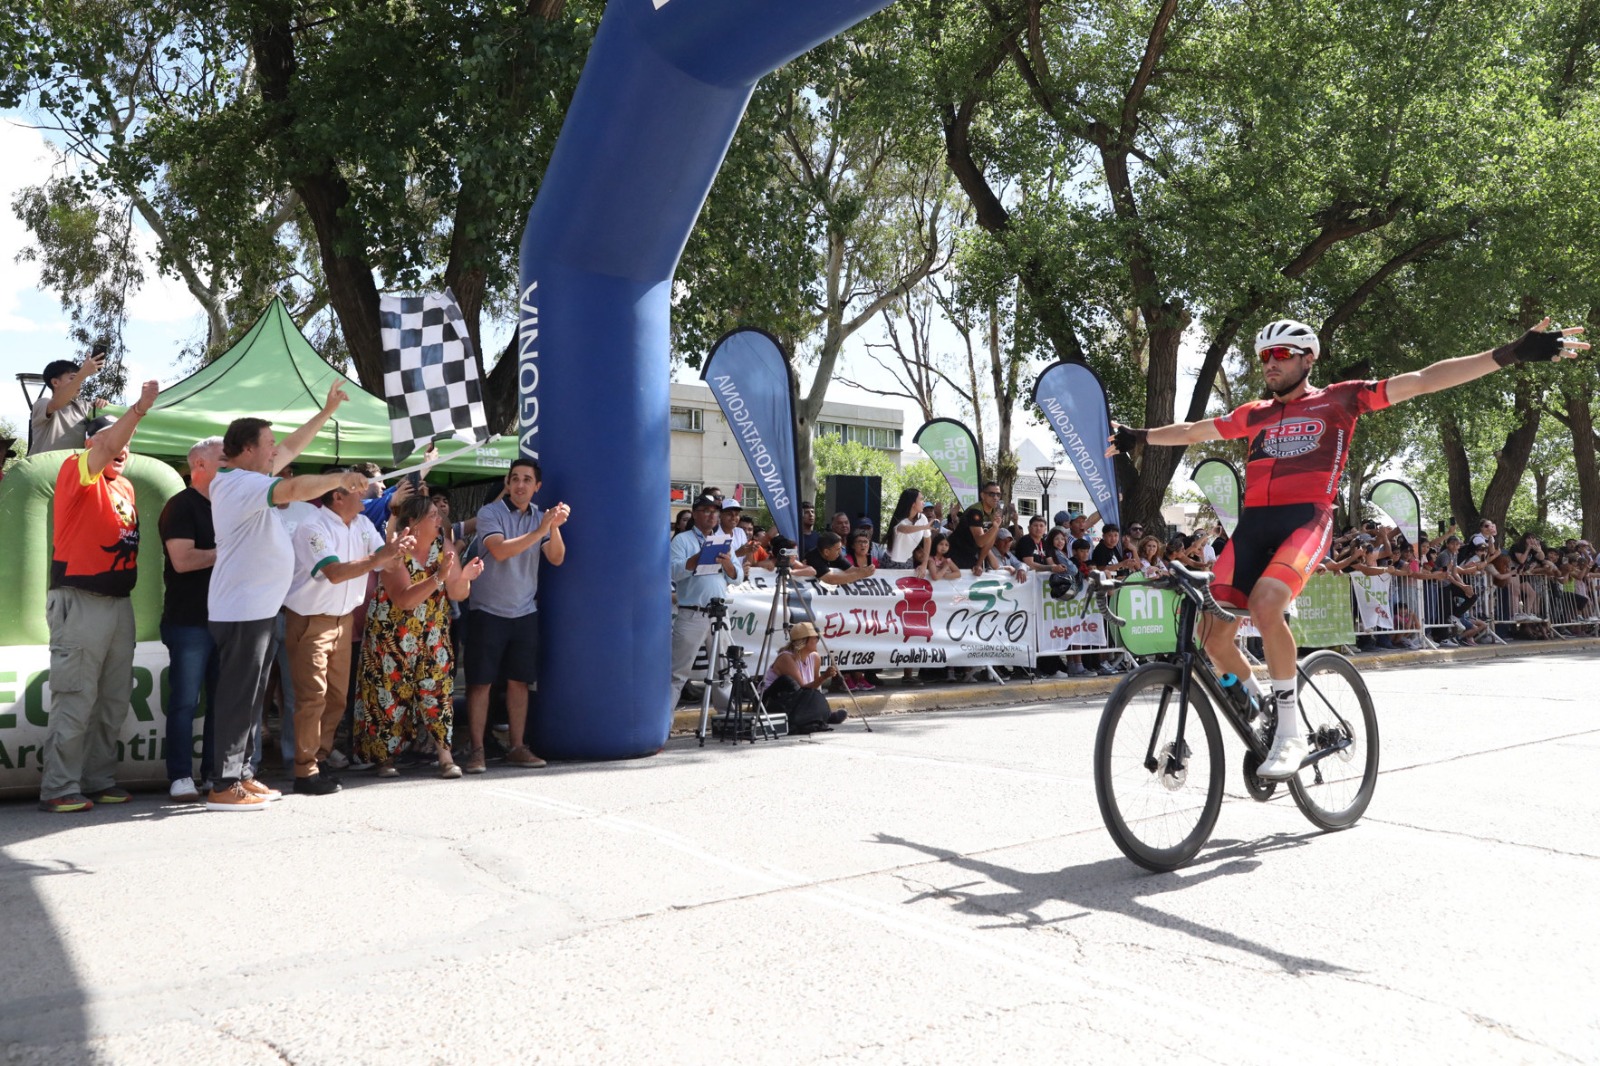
pixel 190 546
pixel 830 564
pixel 1107 555
pixel 974 536
pixel 1031 548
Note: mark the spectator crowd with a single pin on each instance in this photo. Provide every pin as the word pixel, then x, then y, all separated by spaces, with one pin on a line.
pixel 329 595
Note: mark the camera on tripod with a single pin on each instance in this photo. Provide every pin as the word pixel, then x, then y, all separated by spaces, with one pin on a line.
pixel 735 657
pixel 717 610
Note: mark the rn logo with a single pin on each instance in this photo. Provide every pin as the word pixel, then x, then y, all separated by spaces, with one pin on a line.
pixel 1289 439
pixel 1145 605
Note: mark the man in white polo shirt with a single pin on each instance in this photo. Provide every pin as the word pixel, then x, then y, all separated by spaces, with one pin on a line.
pixel 253 572
pixel 335 549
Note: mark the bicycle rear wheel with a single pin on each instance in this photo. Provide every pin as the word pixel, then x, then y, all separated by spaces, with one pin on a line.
pixel 1160 815
pixel 1334 792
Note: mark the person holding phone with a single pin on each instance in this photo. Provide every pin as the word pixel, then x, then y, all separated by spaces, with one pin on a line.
pixel 60 415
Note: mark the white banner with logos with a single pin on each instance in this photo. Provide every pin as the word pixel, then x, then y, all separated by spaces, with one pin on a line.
pixel 894 619
pixel 1371 592
pixel 1070 624
pixel 25 707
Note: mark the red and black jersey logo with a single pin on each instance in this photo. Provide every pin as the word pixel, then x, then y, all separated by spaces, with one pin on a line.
pixel 1289 439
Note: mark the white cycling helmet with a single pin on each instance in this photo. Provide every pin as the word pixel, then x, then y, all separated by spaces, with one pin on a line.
pixel 1288 331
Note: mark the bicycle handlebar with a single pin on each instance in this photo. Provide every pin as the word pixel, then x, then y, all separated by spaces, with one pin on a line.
pixel 1194 584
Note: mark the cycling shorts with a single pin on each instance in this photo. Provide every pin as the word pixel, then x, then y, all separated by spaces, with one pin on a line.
pixel 1284 542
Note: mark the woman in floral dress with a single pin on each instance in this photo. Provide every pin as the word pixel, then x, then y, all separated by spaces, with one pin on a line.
pixel 407 661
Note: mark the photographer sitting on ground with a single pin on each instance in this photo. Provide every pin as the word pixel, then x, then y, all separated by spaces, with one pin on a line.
pixel 792 683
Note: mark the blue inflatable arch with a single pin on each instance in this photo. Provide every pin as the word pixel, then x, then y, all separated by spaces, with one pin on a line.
pixel 661 95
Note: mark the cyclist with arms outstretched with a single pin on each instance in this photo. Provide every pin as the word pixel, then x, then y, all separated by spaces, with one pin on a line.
pixel 1299 440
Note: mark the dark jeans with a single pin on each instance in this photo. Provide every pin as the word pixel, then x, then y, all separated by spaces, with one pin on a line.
pixel 192 656
pixel 245 651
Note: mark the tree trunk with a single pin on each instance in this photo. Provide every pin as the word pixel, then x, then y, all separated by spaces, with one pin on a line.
pixel 1458 473
pixel 1513 457
pixel 1580 419
pixel 341 239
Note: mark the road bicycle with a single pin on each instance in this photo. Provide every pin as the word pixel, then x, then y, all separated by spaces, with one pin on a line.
pixel 1160 787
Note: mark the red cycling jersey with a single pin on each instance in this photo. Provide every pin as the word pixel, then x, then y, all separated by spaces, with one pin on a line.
pixel 1298 449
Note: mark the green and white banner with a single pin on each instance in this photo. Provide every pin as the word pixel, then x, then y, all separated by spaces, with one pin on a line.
pixel 1150 618
pixel 1324 619
pixel 1219 481
pixel 954 451
pixel 1397 500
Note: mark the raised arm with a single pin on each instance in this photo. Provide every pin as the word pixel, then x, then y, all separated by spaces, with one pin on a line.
pixel 1123 438
pixel 290 447
pixel 1540 344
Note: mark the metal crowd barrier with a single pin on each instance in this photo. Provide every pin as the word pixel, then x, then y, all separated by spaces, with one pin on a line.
pixel 1568 605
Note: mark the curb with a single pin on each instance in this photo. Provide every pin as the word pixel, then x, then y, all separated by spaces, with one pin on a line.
pixel 893 698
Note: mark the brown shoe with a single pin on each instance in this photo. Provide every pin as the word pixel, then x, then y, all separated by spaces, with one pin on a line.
pixel 473 763
pixel 523 757
pixel 256 788
pixel 235 798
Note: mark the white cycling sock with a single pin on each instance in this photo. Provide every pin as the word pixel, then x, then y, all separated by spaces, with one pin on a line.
pixel 1288 709
pixel 1255 687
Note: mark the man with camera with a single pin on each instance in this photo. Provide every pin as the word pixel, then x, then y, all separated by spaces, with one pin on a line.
pixel 61 414
pixel 698 578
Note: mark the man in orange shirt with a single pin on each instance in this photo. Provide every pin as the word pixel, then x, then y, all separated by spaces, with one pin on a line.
pixel 93 569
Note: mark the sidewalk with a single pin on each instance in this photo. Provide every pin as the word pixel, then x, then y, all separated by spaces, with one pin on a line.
pixel 891 697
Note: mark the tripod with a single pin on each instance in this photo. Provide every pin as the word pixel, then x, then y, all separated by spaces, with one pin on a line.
pixel 744 698
pixel 779 615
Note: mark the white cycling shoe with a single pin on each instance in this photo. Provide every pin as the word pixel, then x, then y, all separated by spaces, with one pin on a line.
pixel 1284 760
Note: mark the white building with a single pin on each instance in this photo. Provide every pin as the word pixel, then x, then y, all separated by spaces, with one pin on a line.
pixel 1028 493
pixel 704 451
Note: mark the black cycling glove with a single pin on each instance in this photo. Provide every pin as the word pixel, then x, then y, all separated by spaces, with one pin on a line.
pixel 1532 347
pixel 1126 437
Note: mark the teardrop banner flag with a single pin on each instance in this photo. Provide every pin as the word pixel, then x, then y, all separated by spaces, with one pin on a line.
pixel 1399 502
pixel 954 451
pixel 1219 481
pixel 749 376
pixel 1074 403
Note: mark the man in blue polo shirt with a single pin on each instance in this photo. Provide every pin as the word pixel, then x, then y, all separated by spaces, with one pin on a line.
pixel 503 624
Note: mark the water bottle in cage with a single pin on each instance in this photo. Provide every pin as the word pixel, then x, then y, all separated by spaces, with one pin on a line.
pixel 1240 695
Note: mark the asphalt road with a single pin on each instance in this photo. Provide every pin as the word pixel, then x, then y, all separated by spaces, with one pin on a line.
pixel 939 890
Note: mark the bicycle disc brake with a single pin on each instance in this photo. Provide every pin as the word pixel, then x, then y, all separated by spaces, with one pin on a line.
pixel 1174 766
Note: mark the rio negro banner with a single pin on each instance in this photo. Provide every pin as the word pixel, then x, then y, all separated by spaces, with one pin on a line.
pixel 1074 403
pixel 1322 616
pixel 749 376
pixel 951 446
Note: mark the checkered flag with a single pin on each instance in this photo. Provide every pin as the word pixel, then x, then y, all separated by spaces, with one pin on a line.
pixel 429 374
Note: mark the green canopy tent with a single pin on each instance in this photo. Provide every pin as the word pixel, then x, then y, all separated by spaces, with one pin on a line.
pixel 274 373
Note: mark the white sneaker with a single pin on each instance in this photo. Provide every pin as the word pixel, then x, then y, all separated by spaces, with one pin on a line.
pixel 183 789
pixel 1284 760
pixel 337 760
pixel 1524 616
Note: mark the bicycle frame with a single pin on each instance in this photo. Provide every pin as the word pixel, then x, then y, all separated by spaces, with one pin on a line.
pixel 1192 663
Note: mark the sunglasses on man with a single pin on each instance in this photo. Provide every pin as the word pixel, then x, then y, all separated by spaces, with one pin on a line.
pixel 1282 352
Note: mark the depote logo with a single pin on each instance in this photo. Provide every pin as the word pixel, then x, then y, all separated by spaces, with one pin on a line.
pixel 1293 438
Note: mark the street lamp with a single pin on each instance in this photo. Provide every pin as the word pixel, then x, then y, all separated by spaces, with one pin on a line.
pixel 1045 474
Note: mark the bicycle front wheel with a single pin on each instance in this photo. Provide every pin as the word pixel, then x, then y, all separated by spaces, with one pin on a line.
pixel 1159 798
pixel 1336 707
